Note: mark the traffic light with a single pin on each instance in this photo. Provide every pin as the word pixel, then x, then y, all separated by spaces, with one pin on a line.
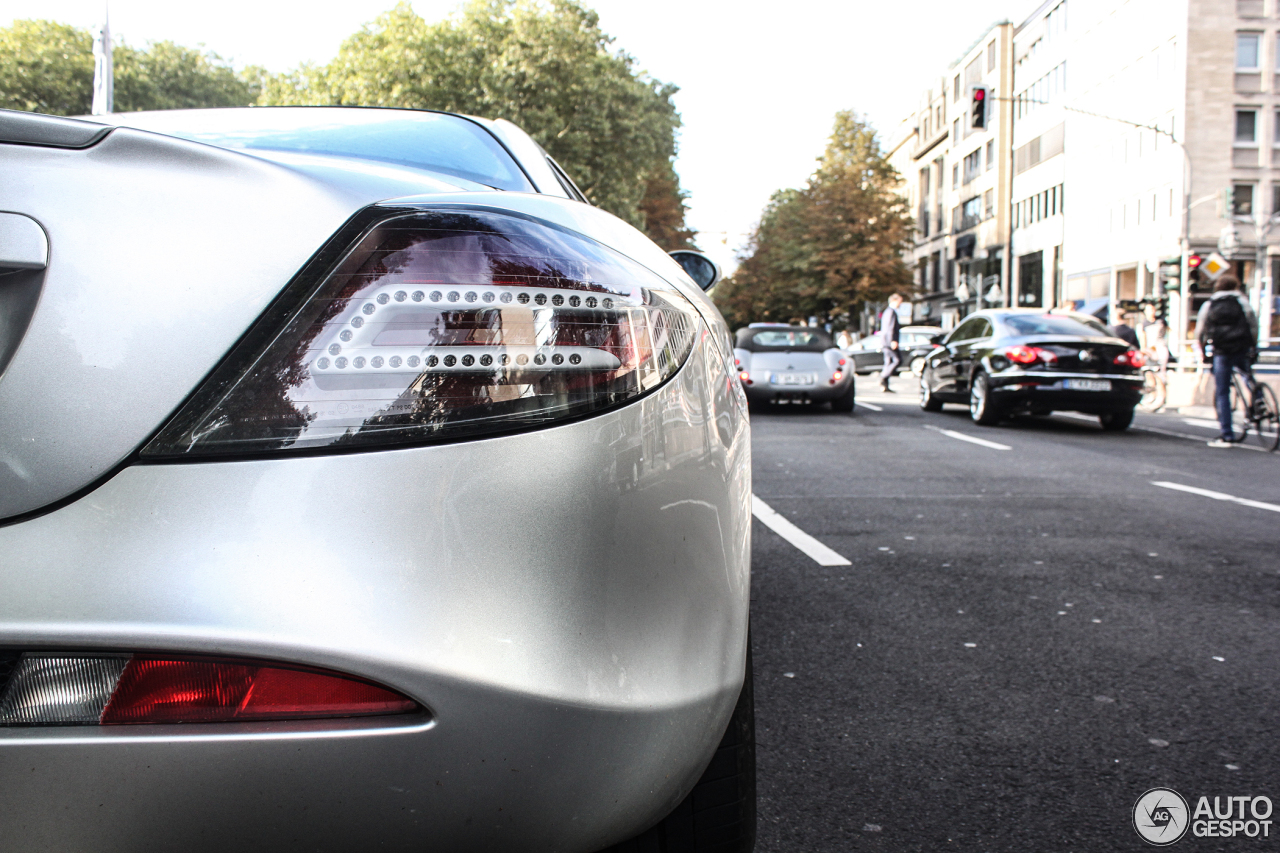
pixel 1193 272
pixel 978 107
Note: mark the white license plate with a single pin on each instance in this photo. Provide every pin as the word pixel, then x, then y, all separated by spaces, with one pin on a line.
pixel 1087 384
pixel 794 379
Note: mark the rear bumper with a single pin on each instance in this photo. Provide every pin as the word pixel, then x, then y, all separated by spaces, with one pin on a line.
pixel 570 605
pixel 765 392
pixel 1045 391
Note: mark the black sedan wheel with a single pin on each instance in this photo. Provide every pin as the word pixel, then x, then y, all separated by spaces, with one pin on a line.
pixel 1116 421
pixel 928 400
pixel 980 407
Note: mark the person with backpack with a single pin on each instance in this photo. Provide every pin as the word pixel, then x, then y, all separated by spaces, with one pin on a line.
pixel 1228 324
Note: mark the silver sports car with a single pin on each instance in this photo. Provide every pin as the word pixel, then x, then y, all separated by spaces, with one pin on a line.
pixel 778 363
pixel 361 487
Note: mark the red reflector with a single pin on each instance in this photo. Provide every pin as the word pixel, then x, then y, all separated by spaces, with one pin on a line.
pixel 841 362
pixel 192 691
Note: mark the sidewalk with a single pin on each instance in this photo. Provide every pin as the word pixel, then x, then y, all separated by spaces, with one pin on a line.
pixel 1191 394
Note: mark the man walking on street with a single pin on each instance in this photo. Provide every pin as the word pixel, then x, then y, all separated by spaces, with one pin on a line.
pixel 889 326
pixel 1228 323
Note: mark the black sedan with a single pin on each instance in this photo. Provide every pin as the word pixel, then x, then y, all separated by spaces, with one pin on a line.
pixel 1007 362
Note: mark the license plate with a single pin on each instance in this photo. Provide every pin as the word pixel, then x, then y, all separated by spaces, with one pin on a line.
pixel 794 379
pixel 1087 384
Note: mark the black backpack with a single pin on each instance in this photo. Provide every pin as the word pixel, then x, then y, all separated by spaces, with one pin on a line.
pixel 1227 326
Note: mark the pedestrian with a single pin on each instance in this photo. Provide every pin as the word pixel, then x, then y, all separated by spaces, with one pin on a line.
pixel 889 326
pixel 1124 331
pixel 1227 323
pixel 1155 334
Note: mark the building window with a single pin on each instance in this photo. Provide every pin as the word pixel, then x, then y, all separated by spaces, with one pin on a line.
pixel 989 204
pixel 991 56
pixel 955 176
pixel 955 131
pixel 991 150
pixel 1247 126
pixel 1275 199
pixel 955 95
pixel 972 165
pixel 1247 45
pixel 1242 200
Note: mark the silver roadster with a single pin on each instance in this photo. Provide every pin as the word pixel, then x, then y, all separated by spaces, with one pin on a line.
pixel 361 488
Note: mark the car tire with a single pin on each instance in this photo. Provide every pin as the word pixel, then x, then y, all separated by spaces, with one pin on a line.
pixel 981 409
pixel 719 815
pixel 1116 421
pixel 917 365
pixel 929 401
pixel 843 403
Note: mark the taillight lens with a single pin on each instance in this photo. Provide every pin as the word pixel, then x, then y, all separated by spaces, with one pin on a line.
pixel 52 689
pixel 440 325
pixel 1028 355
pixel 1131 358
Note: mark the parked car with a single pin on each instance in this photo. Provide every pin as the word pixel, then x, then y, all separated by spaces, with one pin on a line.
pixel 778 363
pixel 363 488
pixel 913 341
pixel 1013 361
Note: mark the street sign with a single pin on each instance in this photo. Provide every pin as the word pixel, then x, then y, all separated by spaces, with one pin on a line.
pixel 1214 266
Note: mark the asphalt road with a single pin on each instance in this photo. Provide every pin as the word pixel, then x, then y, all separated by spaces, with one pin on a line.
pixel 1025 641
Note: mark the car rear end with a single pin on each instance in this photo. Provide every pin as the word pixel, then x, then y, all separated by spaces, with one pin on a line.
pixel 253 598
pixel 788 364
pixel 1094 374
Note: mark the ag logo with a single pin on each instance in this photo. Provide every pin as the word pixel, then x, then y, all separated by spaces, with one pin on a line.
pixel 1160 816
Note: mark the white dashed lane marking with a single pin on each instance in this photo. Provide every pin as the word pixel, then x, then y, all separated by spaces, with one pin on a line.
pixel 981 442
pixel 815 550
pixel 870 406
pixel 1217 496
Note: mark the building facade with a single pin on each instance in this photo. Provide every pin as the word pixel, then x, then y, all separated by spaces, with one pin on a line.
pixel 957 181
pixel 1136 132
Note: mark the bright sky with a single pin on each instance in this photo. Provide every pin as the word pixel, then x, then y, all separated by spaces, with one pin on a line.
pixel 760 82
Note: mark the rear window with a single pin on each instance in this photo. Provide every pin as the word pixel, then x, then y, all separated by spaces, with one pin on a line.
pixel 1054 324
pixel 443 144
pixel 810 340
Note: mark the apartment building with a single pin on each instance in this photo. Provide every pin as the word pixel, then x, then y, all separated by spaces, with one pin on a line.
pixel 957 180
pixel 1137 130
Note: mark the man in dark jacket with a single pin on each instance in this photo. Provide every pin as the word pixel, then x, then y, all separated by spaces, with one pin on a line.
pixel 889 326
pixel 1228 323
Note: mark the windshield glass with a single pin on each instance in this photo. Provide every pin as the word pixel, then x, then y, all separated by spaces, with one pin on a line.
pixel 1054 324
pixel 912 339
pixel 443 144
pixel 796 339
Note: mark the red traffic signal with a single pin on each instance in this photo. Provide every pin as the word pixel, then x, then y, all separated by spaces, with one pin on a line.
pixel 978 107
pixel 1194 261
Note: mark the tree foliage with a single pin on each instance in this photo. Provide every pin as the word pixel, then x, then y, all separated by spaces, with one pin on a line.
pixel 546 66
pixel 829 247
pixel 47 67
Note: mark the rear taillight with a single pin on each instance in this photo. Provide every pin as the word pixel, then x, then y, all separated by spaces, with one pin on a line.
pixel 1131 358
pixel 835 377
pixel 440 325
pixel 745 377
pixel 1027 355
pixel 64 689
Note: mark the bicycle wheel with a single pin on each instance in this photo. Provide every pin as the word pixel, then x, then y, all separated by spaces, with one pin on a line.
pixel 1153 391
pixel 1239 408
pixel 1266 416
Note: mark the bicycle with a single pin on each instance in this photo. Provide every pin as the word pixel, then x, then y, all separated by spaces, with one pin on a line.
pixel 1253 404
pixel 1155 389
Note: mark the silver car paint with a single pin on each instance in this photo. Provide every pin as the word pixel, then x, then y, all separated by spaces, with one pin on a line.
pixel 130 322
pixel 759 366
pixel 570 604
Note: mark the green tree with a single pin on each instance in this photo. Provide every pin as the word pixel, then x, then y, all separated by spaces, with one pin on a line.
pixel 831 246
pixel 547 67
pixel 47 67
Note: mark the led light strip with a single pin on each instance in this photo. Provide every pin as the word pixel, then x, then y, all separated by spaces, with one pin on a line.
pixel 461 359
